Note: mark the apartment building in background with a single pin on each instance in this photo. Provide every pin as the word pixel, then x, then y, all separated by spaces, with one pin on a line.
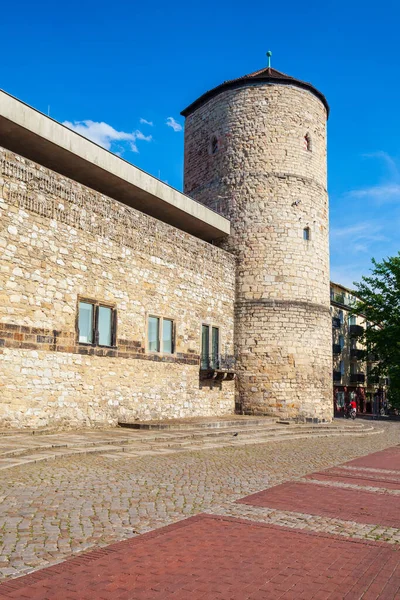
pixel 352 363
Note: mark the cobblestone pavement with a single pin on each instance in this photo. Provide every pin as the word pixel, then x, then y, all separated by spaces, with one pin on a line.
pixel 52 510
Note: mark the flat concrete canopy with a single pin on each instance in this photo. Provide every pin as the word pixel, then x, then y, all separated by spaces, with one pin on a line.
pixel 39 138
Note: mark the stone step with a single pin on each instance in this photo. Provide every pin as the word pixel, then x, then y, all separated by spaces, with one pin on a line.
pixel 249 440
pixel 211 423
pixel 196 434
pixel 146 444
pixel 181 435
pixel 187 446
pixel 14 432
pixel 138 450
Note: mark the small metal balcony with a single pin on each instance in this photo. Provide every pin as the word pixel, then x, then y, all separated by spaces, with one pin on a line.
pixel 339 298
pixel 217 366
pixel 357 378
pixel 356 330
pixel 357 354
pixel 337 376
pixel 336 322
pixel 336 348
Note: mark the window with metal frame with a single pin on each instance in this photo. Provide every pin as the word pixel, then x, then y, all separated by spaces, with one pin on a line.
pixel 160 335
pixel 340 399
pixel 210 345
pixel 352 320
pixel 96 323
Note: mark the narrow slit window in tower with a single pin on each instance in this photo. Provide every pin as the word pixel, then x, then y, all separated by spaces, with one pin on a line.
pixel 306 234
pixel 307 143
pixel 214 145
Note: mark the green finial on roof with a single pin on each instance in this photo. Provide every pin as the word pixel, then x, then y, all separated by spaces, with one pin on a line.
pixel 269 54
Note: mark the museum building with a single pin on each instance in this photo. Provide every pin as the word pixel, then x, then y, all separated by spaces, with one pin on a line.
pixel 123 299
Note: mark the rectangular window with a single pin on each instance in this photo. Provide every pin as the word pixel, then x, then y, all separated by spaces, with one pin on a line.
pixel 341 317
pixel 210 344
pixel 160 335
pixel 340 399
pixel 154 334
pixel 341 342
pixel 215 348
pixel 85 323
pixel 352 320
pixel 205 347
pixel 96 324
pixel 341 368
pixel 105 326
pixel 167 331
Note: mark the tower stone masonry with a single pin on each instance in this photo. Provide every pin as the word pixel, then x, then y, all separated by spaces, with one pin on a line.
pixel 255 150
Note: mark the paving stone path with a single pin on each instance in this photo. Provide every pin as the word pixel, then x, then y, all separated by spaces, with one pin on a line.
pixel 53 510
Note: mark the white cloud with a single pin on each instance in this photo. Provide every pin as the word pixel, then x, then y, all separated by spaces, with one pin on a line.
pixel 140 136
pixel 362 238
pixel 387 159
pixel 367 231
pixel 174 124
pixel 361 248
pixel 145 122
pixel 104 135
pixel 388 192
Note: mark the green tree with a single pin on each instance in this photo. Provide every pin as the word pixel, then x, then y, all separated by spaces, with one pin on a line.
pixel 379 302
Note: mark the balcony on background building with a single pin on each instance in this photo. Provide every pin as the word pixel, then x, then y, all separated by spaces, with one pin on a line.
pixel 372 379
pixel 372 357
pixel 337 376
pixel 336 322
pixel 342 298
pixel 356 353
pixel 336 348
pixel 217 366
pixel 356 330
pixel 339 298
pixel 357 377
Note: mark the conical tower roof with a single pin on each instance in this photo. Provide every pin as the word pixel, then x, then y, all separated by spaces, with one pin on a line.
pixel 265 75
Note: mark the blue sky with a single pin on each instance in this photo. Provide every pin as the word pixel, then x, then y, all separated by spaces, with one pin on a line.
pixel 113 66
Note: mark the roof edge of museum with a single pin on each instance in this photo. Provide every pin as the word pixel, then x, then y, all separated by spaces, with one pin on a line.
pixel 37 137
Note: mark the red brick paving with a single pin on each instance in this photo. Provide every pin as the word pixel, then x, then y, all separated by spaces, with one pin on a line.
pixel 222 558
pixel 347 504
pixel 370 475
pixel 386 459
pixel 216 558
pixel 356 480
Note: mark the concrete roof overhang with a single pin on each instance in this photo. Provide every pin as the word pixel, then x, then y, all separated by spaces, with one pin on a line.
pixel 39 138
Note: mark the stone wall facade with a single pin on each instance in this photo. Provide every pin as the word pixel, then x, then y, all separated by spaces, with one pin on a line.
pixel 257 153
pixel 61 242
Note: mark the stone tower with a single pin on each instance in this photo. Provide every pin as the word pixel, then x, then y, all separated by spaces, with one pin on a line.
pixel 255 150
